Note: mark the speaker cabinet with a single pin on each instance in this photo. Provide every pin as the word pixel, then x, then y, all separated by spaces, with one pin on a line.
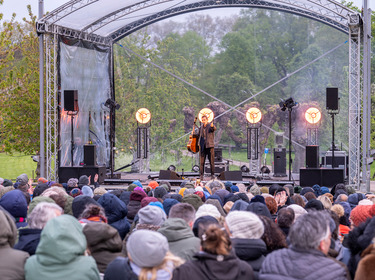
pixel 169 175
pixel 218 154
pixel 312 156
pixel 89 155
pixel 327 177
pixel 71 100
pixel 230 176
pixel 65 173
pixel 279 160
pixel 332 99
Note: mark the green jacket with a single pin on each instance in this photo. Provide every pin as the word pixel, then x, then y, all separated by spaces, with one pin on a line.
pixel 60 253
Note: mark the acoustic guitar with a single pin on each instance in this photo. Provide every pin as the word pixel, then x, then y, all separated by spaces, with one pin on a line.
pixel 193 146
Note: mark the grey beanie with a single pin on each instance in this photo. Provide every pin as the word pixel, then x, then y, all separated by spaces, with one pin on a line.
pixel 86 190
pixel 22 179
pixel 83 180
pixel 72 182
pixel 152 215
pixel 244 224
pixel 147 248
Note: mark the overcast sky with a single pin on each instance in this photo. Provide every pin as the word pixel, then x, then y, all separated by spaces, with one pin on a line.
pixel 19 7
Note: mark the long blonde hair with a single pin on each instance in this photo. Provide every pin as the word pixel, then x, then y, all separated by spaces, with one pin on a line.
pixel 165 265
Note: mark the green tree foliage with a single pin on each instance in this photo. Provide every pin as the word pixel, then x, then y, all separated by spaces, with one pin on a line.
pixel 19 86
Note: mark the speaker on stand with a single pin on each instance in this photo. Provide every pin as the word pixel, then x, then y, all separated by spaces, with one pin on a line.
pixel 312 156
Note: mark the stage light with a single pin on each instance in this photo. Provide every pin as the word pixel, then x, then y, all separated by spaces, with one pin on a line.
pixel 195 168
pixel 253 115
pixel 143 115
pixel 244 169
pixel 110 103
pixel 287 104
pixel 206 112
pixel 171 168
pixel 313 115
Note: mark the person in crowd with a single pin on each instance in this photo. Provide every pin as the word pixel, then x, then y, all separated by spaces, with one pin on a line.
pixel 12 261
pixel 365 268
pixel 216 260
pixel 202 223
pixel 298 200
pixel 29 237
pixel 16 204
pixel 246 229
pixel 178 231
pixel 273 236
pixel 272 206
pixel 285 219
pixel 61 253
pixel 148 258
pixel 104 243
pixel 310 240
pixel 298 211
pixel 93 213
pixel 206 145
pixel 134 204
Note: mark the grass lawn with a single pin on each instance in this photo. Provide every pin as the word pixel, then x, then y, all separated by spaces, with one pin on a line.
pixel 11 166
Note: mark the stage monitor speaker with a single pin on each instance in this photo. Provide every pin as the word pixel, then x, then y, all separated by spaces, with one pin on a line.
pixel 308 177
pixel 65 173
pixel 169 175
pixel 218 154
pixel 279 160
pixel 89 155
pixel 71 100
pixel 312 156
pixel 230 176
pixel 332 99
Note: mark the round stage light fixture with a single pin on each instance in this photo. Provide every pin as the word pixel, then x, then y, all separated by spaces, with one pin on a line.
pixel 171 168
pixel 195 168
pixel 206 112
pixel 244 169
pixel 253 115
pixel 143 115
pixel 313 115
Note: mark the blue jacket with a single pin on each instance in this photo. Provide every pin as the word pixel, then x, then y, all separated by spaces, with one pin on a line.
pixel 28 240
pixel 15 203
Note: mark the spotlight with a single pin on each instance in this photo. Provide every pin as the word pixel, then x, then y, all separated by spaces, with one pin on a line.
pixel 206 112
pixel 313 115
pixel 143 115
pixel 287 104
pixel 253 115
pixel 245 169
pixel 265 169
pixel 171 168
pixel 110 103
pixel 195 168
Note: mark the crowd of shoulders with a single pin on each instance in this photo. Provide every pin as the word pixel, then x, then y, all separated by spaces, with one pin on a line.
pixel 214 230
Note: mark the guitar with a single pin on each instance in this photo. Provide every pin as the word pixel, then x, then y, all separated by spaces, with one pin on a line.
pixel 193 146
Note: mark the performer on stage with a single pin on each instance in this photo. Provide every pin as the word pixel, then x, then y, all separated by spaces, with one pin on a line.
pixel 206 145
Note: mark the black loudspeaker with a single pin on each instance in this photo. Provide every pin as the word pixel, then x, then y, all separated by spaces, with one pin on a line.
pixel 332 99
pixel 312 156
pixel 89 154
pixel 279 160
pixel 71 100
pixel 65 173
pixel 230 176
pixel 218 154
pixel 169 175
pixel 309 177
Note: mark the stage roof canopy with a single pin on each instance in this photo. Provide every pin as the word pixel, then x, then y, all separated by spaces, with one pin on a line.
pixel 107 21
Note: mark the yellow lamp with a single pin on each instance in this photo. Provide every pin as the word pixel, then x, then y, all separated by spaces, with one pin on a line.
pixel 253 115
pixel 313 115
pixel 143 115
pixel 206 112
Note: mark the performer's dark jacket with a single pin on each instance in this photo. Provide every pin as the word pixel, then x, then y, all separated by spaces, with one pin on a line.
pixel 206 136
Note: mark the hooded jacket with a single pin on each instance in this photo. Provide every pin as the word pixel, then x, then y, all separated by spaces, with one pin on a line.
pixel 209 266
pixel 11 261
pixel 181 239
pixel 60 253
pixel 104 243
pixel 28 240
pixel 252 251
pixel 15 203
pixel 116 212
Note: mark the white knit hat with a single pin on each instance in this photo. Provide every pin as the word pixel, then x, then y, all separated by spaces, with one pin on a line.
pixel 244 224
pixel 207 210
pixel 298 211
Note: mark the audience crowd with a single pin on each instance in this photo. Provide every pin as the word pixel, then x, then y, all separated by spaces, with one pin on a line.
pixel 213 230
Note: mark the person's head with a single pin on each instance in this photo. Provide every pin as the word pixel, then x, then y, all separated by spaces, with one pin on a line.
pixel 298 200
pixel 244 225
pixel 152 215
pixel 327 204
pixel 42 213
pixel 311 232
pixel 204 119
pixel 202 223
pixel 93 210
pixel 149 250
pixel 183 211
pixel 216 241
pixel 341 197
pixel 271 204
pixel 273 236
pixel 285 217
pixel 309 196
pixel 298 211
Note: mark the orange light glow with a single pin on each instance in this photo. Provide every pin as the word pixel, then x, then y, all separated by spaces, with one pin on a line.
pixel 253 115
pixel 143 115
pixel 313 115
pixel 206 112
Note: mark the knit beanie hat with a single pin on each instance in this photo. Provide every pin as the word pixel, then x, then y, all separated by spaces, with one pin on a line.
pixel 207 210
pixel 297 189
pixel 234 189
pixel 243 197
pixel 314 204
pixel 228 184
pixel 168 203
pixel 100 191
pixel 258 198
pixel 7 183
pixel 42 180
pixel 221 193
pixel 244 224
pixel 86 190
pixel 255 190
pixel 264 190
pixel 153 184
pixel 137 195
pixel 38 200
pixel 146 201
pixel 22 179
pixel 259 209
pixel 193 200
pixel 176 196
pixel 360 214
pixel 218 206
pixel 72 182
pixel 137 183
pixel 147 248
pixel 365 202
pixel 83 180
pixel 156 203
pixel 189 185
pixel 75 192
pixel 152 215
pixel 306 190
pixel 317 190
pixel 39 189
pixel 324 190
pixel 159 192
